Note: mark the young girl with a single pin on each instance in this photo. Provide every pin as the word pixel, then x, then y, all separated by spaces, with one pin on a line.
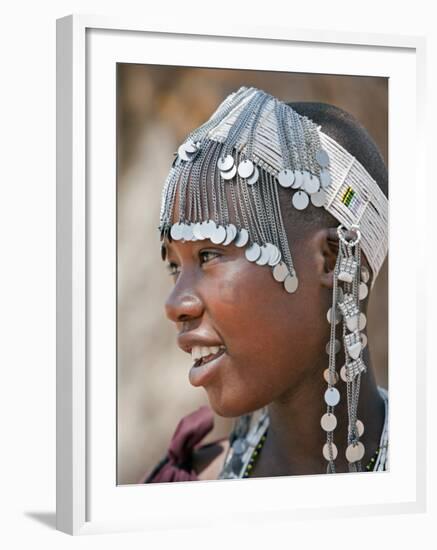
pixel 274 227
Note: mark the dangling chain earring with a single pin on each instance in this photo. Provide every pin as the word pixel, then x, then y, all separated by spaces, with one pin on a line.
pixel 348 290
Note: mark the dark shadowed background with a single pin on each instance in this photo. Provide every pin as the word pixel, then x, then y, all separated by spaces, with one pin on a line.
pixel 157 107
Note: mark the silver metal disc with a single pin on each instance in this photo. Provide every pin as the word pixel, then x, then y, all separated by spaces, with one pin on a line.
pixel 239 446
pixel 290 283
pixel 275 255
pixel 328 422
pixel 208 229
pixel 182 153
pixel 298 179
pixel 322 158
pixel 300 200
pixel 337 316
pixel 176 231
pixel 229 174
pixel 187 232
pixel 365 275
pixel 325 451
pixel 311 183
pixel 363 291
pixel 328 379
pixel 280 272
pixel 363 340
pixel 355 452
pixel 343 373
pixel 197 231
pixel 362 322
pixel 332 397
pixel 190 146
pixel 242 238
pixel 254 177
pixel 325 178
pixel 265 255
pixel 253 252
pixel 337 346
pixel 219 235
pixel 286 177
pixel 360 427
pixel 319 198
pixel 246 168
pixel 231 232
pixel 225 164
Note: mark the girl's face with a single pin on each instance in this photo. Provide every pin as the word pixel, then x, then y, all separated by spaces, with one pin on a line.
pixel 272 339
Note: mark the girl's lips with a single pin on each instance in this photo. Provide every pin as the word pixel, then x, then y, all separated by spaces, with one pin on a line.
pixel 201 372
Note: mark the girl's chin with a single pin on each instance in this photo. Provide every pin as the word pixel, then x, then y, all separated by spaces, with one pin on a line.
pixel 231 407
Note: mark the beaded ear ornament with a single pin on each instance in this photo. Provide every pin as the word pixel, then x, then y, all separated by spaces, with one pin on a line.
pixel 227 182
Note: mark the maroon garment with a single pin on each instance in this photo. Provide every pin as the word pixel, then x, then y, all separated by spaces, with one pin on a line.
pixel 176 466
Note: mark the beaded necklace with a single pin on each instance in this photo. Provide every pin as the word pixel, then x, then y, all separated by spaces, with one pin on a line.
pixel 256 452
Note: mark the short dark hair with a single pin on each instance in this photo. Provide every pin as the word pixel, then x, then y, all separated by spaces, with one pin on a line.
pixel 348 132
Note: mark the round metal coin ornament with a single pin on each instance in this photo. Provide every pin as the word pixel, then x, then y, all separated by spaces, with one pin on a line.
pixel 318 199
pixel 286 177
pixel 360 427
pixel 275 255
pixel 365 275
pixel 280 272
pixel 197 231
pixel 246 168
pixel 253 252
pixel 176 231
pixel 355 452
pixel 325 178
pixel 231 233
pixel 242 238
pixel 265 255
pixel 300 200
pixel 219 235
pixel 229 174
pixel 208 229
pixel 226 163
pixel 298 179
pixel 362 321
pixel 337 347
pixel 332 397
pixel 332 380
pixel 328 422
pixel 363 291
pixel 311 184
pixel 254 177
pixel 290 283
pixel 187 232
pixel 325 451
pixel 343 373
pixel 322 158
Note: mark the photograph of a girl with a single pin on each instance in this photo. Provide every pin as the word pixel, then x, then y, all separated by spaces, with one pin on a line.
pixel 273 227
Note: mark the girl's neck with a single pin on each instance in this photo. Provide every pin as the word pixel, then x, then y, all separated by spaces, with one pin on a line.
pixel 295 438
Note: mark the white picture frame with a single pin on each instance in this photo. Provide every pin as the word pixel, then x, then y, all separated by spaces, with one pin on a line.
pixel 88 499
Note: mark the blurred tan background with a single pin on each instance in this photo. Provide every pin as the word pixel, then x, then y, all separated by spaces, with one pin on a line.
pixel 157 107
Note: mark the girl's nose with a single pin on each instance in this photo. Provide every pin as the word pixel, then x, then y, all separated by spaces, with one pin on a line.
pixel 184 302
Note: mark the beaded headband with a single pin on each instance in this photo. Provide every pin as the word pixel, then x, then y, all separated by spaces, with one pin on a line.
pixel 251 144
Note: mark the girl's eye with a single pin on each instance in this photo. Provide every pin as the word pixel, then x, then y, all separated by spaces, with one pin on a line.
pixel 172 269
pixel 207 255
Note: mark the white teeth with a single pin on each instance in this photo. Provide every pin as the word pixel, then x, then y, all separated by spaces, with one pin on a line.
pixel 202 351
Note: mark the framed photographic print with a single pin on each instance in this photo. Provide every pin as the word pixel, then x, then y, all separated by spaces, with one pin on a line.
pixel 231 262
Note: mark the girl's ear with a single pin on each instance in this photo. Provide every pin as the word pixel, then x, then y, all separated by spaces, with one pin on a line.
pixel 329 251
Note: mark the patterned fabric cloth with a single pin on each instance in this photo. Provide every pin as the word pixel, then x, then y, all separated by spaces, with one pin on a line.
pixel 177 464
